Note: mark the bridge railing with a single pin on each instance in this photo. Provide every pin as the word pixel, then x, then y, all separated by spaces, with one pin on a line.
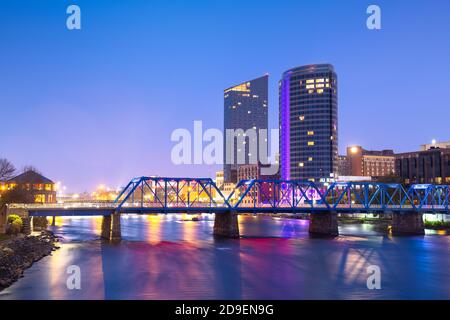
pixel 87 205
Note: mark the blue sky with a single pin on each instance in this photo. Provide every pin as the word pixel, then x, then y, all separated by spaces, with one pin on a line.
pixel 98 105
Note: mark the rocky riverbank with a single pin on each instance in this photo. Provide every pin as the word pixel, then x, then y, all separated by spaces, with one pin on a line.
pixel 18 254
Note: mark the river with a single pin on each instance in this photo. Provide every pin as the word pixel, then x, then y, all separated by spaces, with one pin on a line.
pixel 172 257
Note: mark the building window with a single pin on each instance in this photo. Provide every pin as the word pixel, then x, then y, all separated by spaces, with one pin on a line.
pixel 38 187
pixel 39 198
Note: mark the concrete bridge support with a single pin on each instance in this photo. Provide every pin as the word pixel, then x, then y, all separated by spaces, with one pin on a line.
pixel 27 226
pixel 226 225
pixel 408 223
pixel 325 224
pixel 116 234
pixel 111 227
pixel 106 228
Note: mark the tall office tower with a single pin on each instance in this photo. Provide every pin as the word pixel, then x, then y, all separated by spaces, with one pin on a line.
pixel 245 107
pixel 309 123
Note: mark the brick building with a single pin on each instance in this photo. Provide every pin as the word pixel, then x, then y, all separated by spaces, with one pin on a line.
pixel 41 188
pixel 361 162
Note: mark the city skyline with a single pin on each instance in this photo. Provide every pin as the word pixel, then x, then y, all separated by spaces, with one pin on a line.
pixel 90 114
pixel 224 158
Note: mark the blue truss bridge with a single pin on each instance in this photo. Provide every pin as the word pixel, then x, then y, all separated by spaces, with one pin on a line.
pixel 158 195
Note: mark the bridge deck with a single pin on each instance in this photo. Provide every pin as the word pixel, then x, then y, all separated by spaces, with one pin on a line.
pixel 107 209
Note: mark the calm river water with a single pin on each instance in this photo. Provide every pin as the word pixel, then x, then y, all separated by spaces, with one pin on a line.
pixel 170 257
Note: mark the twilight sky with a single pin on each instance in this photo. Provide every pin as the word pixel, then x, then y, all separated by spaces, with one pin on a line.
pixel 98 105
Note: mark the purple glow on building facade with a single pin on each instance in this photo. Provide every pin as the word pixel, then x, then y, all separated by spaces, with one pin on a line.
pixel 285 115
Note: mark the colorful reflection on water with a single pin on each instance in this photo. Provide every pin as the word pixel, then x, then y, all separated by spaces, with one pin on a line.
pixel 173 257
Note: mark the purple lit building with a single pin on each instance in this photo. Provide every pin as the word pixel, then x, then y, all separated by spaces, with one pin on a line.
pixel 309 123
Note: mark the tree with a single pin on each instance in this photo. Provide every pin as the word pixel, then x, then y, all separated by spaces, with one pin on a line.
pixel 7 170
pixel 15 196
pixel 30 168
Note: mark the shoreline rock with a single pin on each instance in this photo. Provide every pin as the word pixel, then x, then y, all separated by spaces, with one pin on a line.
pixel 18 254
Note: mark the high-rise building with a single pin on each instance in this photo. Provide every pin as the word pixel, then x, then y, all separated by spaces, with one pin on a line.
pixel 309 123
pixel 362 162
pixel 245 107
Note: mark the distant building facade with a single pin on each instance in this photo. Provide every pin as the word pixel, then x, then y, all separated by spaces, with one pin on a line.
pixel 248 172
pixel 343 167
pixel 255 172
pixel 309 123
pixel 435 145
pixel 245 107
pixel 261 192
pixel 41 188
pixel 362 162
pixel 219 179
pixel 429 166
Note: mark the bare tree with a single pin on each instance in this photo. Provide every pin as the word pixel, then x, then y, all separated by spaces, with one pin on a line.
pixel 30 168
pixel 7 169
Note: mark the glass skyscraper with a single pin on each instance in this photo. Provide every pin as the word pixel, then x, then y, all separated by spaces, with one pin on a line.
pixel 245 107
pixel 309 123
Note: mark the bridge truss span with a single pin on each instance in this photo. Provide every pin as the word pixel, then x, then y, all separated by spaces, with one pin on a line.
pixel 154 195
pixel 357 197
pixel 165 195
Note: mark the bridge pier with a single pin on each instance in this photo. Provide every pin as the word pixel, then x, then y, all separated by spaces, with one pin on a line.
pixel 111 227
pixel 116 234
pixel 226 225
pixel 325 224
pixel 408 223
pixel 106 227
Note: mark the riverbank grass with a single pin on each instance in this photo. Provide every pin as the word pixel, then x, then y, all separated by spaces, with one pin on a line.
pixel 437 224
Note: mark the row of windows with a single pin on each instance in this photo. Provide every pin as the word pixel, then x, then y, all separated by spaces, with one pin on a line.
pixel 301 141
pixel 29 186
pixel 325 123
pixel 308 99
pixel 319 113
pixel 317 134
pixel 296 79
